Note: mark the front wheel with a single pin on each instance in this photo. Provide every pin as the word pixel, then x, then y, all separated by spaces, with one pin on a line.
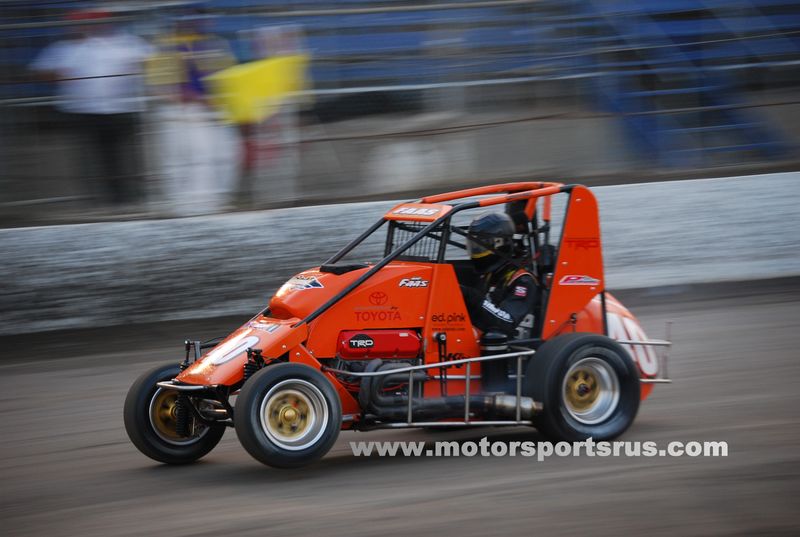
pixel 151 421
pixel 588 384
pixel 288 415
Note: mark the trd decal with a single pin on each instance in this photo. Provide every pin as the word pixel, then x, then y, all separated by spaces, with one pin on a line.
pixel 575 279
pixel 361 341
pixel 582 243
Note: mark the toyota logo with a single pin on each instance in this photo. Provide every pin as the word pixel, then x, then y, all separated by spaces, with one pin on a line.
pixel 378 298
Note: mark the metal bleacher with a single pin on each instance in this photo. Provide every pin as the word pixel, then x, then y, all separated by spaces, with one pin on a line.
pixel 677 69
pixel 674 71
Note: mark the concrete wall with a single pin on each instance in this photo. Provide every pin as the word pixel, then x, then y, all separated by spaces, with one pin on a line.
pixel 126 272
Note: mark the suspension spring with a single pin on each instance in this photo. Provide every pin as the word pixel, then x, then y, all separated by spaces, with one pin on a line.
pixel 254 362
pixel 182 415
pixel 250 369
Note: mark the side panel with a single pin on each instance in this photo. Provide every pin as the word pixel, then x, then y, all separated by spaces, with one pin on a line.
pixel 578 274
pixel 396 297
pixel 447 314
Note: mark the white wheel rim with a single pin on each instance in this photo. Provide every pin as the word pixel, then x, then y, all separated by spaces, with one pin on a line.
pixel 590 391
pixel 294 414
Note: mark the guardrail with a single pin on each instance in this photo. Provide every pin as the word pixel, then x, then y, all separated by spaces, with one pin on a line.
pixel 89 275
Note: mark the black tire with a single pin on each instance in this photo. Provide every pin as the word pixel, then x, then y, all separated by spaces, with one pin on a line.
pixel 583 405
pixel 278 401
pixel 141 416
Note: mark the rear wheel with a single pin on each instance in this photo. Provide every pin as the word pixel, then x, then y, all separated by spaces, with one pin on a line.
pixel 588 384
pixel 151 421
pixel 288 415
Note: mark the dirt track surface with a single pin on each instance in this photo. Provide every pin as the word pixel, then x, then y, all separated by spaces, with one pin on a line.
pixel 67 467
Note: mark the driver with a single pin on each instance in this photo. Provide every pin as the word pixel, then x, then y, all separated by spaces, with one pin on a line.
pixel 508 295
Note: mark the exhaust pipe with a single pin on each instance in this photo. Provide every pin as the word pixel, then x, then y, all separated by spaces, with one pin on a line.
pixel 395 407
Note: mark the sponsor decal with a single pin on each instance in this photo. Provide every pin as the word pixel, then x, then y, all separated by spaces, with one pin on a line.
pixel 415 211
pixel 448 318
pixel 525 327
pixel 627 329
pixel 521 291
pixel 416 281
pixel 576 279
pixel 361 341
pixel 497 312
pixel 379 311
pixel 378 298
pixel 455 356
pixel 230 349
pixel 266 327
pixel 582 243
pixel 378 315
pixel 302 282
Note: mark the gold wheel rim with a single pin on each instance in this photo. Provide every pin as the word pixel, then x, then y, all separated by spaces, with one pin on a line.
pixel 163 418
pixel 163 414
pixel 288 414
pixel 582 390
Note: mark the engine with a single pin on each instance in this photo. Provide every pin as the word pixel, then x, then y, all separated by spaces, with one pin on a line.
pixel 357 348
pixel 386 397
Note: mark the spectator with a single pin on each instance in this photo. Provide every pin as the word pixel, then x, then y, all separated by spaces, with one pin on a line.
pixel 195 153
pixel 99 89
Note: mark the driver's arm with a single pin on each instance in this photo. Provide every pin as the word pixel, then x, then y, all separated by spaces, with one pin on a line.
pixel 506 315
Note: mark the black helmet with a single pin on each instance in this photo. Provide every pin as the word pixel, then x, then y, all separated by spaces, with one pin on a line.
pixel 491 230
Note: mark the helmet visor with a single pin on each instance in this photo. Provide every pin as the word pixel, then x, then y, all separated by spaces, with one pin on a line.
pixel 477 250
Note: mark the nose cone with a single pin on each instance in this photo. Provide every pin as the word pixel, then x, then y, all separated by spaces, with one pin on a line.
pixel 224 364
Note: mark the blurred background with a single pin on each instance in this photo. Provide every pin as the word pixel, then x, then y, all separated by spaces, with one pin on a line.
pixel 137 109
pixel 122 116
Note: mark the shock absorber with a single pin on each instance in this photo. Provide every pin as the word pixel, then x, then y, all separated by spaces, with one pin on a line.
pixel 182 415
pixel 254 362
pixel 494 373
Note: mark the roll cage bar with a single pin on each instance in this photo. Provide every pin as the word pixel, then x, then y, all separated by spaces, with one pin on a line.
pixel 509 192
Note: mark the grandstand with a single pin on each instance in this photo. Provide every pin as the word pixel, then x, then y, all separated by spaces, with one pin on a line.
pixel 677 73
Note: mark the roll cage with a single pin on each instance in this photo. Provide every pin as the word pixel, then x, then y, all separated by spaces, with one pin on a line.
pixel 431 217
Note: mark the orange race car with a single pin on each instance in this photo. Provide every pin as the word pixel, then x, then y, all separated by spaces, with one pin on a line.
pixel 392 343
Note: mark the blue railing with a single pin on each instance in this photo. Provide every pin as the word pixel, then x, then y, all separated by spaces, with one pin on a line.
pixel 671 69
pixel 673 91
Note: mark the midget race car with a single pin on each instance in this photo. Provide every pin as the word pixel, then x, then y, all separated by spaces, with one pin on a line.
pixel 389 343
